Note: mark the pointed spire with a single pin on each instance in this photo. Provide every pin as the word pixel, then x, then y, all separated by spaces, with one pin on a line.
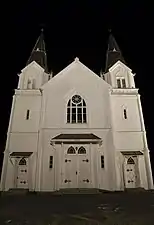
pixel 113 53
pixel 38 53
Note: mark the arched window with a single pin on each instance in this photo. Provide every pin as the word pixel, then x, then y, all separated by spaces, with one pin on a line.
pixel 130 161
pixel 22 162
pixel 76 110
pixel 81 150
pixel 71 150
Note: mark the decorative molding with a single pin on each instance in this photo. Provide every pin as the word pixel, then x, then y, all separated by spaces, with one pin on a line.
pixel 130 91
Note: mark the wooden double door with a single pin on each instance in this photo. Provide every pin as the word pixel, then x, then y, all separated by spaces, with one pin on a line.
pixel 77 167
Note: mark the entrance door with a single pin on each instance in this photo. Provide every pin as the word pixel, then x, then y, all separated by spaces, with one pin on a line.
pixel 77 167
pixel 130 172
pixel 70 169
pixel 84 178
pixel 22 173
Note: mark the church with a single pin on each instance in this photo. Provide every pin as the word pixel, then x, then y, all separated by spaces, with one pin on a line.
pixel 76 129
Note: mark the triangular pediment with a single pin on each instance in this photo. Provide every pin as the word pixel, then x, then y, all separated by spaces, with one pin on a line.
pixel 119 65
pixel 32 65
pixel 81 69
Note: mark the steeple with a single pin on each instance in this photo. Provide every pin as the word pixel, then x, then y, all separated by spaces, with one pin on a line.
pixel 113 53
pixel 38 53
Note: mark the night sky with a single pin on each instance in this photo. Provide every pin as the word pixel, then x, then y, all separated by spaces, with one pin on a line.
pixel 73 28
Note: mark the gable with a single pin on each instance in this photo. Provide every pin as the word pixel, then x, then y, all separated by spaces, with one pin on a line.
pixel 119 66
pixel 78 72
pixel 76 79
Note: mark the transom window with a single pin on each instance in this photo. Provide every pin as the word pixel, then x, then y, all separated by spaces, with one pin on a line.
pixel 76 110
pixel 121 82
pixel 81 150
pixel 71 150
pixel 130 161
pixel 22 162
pixel 77 150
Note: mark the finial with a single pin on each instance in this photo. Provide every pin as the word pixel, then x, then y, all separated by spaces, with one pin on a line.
pixel 110 30
pixel 42 30
pixel 76 59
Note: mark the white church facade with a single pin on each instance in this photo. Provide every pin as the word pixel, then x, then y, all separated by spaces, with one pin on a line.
pixel 76 129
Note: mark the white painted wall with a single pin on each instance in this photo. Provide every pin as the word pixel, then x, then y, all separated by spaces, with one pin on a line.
pixel 26 100
pixel 33 73
pixel 63 86
pixel 128 102
pixel 48 118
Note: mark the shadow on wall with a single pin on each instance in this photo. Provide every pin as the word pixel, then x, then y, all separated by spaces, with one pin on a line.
pixel 152 163
pixel 1 162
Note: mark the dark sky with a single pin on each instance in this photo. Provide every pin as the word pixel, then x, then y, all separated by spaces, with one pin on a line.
pixel 73 28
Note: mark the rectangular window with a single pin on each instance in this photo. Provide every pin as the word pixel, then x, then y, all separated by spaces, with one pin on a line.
pixel 118 83
pixel 102 161
pixel 123 83
pixel 68 115
pixel 73 117
pixel 51 162
pixel 125 114
pixel 27 114
pixel 80 118
pixel 68 118
pixel 84 118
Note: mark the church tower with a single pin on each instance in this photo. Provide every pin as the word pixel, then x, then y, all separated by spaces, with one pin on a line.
pixel 23 131
pixel 76 130
pixel 127 119
pixel 35 74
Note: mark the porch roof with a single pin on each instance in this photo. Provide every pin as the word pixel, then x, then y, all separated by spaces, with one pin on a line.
pixel 23 154
pixel 132 152
pixel 76 136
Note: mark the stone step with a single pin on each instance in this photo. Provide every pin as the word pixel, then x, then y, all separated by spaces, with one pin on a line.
pixel 15 191
pixel 79 191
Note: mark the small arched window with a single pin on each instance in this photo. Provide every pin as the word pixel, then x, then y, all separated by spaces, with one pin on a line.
pixel 71 150
pixel 81 150
pixel 130 161
pixel 22 162
pixel 76 110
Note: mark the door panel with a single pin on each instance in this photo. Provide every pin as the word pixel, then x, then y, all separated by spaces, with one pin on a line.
pixel 84 178
pixel 130 172
pixel 70 172
pixel 22 173
pixel 77 167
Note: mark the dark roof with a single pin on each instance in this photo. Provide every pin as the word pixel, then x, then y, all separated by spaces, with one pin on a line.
pixel 26 154
pixel 113 53
pixel 132 152
pixel 76 136
pixel 38 53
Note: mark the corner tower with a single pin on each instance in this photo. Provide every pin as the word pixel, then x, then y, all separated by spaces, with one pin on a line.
pixel 117 74
pixel 127 122
pixel 35 74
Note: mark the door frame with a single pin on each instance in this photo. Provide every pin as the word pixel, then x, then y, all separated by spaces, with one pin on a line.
pixel 64 155
pixel 17 159
pixel 137 173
